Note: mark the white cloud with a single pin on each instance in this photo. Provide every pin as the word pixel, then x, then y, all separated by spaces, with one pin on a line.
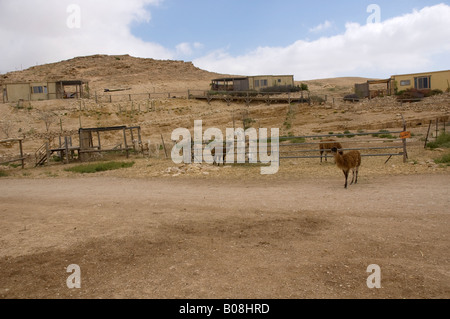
pixel 409 43
pixel 38 31
pixel 187 49
pixel 321 27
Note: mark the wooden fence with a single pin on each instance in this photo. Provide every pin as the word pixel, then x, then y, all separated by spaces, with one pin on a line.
pixel 9 143
pixel 246 96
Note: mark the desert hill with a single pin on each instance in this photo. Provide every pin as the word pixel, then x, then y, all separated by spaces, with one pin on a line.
pixel 148 75
pixel 118 71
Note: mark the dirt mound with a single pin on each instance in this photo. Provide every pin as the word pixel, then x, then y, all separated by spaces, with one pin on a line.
pixel 121 71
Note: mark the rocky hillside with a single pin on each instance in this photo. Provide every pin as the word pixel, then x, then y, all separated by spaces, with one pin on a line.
pixel 124 71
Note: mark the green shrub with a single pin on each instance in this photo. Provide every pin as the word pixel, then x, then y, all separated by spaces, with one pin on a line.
pixel 383 134
pixel 445 159
pixel 304 87
pixel 99 167
pixel 3 173
pixel 442 141
pixel 317 99
pixel 349 134
pixel 293 139
pixel 283 89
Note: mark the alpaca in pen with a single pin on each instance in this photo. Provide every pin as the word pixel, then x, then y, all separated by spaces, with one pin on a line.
pixel 217 158
pixel 346 162
pixel 326 146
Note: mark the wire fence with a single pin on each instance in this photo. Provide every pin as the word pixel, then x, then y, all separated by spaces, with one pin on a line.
pixel 229 97
pixel 369 144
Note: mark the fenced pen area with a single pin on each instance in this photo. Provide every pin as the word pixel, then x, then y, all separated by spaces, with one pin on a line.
pixel 246 97
pixel 371 144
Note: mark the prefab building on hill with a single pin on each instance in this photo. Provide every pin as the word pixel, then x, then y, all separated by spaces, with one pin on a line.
pixel 37 91
pixel 251 83
pixel 439 80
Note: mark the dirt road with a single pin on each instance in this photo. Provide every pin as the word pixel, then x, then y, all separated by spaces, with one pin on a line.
pixel 169 238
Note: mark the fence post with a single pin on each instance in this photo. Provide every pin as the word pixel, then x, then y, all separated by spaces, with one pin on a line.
pixel 405 152
pixel 66 141
pixel 21 154
pixel 47 150
pixel 428 134
pixel 164 145
pixel 125 141
pixel 437 127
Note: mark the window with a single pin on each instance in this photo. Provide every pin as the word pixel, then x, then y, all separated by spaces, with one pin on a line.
pixel 263 82
pixel 39 89
pixel 257 83
pixel 405 82
pixel 279 80
pixel 422 82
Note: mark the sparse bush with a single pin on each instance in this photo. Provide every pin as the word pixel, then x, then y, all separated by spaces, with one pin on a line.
pixel 282 89
pixel 416 94
pixel 349 135
pixel 293 139
pixel 247 121
pixel 3 173
pixel 304 87
pixel 383 134
pixel 6 127
pixel 443 141
pixel 445 159
pixel 436 92
pixel 99 167
pixel 317 99
pixel 48 118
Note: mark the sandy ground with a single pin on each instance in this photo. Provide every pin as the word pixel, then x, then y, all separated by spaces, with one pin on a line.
pixel 285 237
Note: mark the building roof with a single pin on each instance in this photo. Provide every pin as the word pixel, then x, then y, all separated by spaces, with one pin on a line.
pixel 422 73
pixel 64 82
pixel 247 77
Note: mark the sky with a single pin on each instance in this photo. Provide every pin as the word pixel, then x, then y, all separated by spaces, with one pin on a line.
pixel 309 39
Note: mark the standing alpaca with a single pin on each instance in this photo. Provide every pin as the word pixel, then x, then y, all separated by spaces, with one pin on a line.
pixel 217 158
pixel 326 147
pixel 347 162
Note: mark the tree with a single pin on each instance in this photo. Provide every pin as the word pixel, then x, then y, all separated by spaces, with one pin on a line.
pixel 48 118
pixel 6 127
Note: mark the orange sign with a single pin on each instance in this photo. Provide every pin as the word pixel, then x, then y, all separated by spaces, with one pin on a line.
pixel 404 135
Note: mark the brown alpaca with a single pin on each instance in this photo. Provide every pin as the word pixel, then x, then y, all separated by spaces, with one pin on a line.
pixel 326 147
pixel 347 162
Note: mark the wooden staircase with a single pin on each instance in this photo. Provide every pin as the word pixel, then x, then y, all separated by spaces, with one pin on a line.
pixel 41 154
